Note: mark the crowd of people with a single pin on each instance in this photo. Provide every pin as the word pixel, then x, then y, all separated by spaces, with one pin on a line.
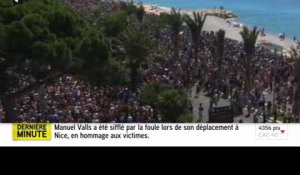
pixel 71 99
pixel 273 77
pixel 87 6
pixel 272 93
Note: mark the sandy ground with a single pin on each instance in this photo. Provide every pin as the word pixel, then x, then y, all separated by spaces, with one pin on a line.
pixel 215 23
pixel 151 9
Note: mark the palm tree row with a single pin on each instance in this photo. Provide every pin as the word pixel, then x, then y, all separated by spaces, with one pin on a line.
pixel 195 24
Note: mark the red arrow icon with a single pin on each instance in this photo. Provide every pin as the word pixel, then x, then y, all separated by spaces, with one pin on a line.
pixel 282 131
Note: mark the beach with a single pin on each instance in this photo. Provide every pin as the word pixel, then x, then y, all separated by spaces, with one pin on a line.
pixel 214 23
pixel 280 16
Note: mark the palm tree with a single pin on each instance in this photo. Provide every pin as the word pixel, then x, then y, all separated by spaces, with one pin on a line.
pixel 249 41
pixel 195 25
pixel 157 24
pixel 140 12
pixel 175 20
pixel 130 8
pixel 136 47
pixel 295 56
pixel 220 44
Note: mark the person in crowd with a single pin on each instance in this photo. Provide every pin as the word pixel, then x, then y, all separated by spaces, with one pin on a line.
pixel 200 110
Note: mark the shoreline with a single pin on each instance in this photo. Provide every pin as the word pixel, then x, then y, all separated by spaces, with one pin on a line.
pixel 214 23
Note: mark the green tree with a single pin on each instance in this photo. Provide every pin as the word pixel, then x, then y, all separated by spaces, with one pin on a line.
pixel 114 24
pixel 62 23
pixel 150 93
pixel 37 25
pixel 114 73
pixel 58 55
pixel 2 38
pixel 133 10
pixel 185 118
pixel 5 3
pixel 136 47
pixel 169 102
pixel 157 23
pixel 94 51
pixel 8 15
pixel 140 13
pixel 249 41
pixel 175 21
pixel 128 6
pixel 30 37
pixel 4 79
pixel 172 104
pixel 18 39
pixel 195 25
pixel 3 76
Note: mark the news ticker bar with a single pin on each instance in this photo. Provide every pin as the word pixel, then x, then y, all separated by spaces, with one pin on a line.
pixel 159 134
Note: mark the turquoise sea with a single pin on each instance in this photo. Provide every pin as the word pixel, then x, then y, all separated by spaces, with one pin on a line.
pixel 276 16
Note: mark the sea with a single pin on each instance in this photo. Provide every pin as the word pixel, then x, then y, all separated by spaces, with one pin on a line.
pixel 275 16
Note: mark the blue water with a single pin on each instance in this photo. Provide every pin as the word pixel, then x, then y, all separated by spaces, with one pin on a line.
pixel 276 16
